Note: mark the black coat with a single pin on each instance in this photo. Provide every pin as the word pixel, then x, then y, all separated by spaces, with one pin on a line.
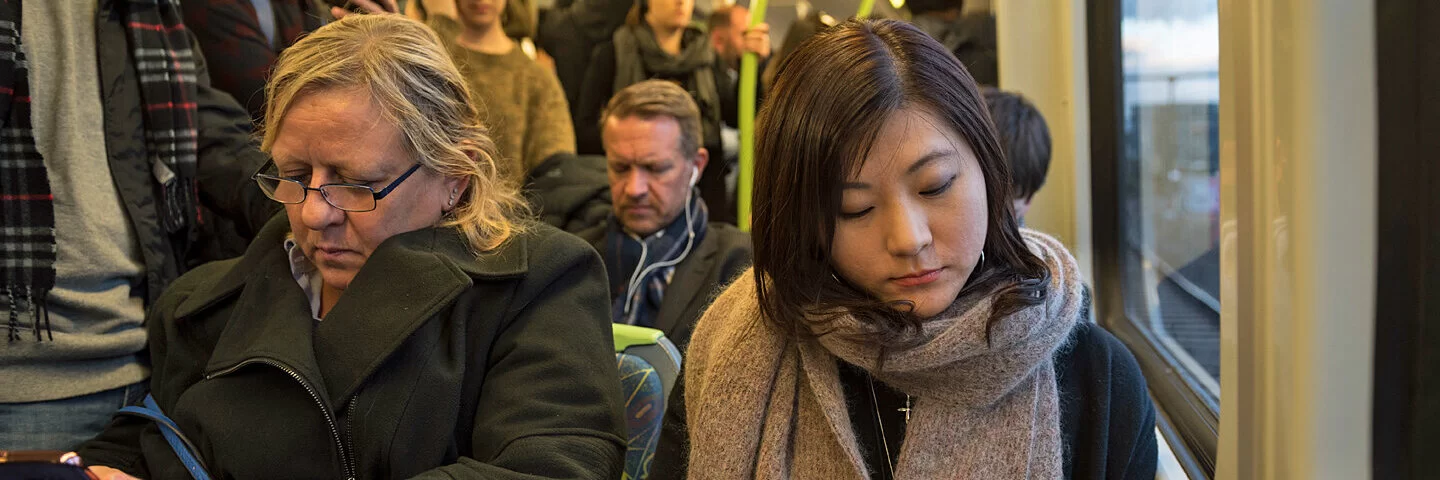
pixel 434 363
pixel 226 157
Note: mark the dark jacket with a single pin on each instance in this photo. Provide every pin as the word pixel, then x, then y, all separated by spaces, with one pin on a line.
pixel 723 255
pixel 230 30
pixel 226 159
pixel 1107 422
pixel 434 363
pixel 571 192
pixel 569 34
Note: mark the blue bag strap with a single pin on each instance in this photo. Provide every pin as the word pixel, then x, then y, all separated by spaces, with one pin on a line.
pixel 181 445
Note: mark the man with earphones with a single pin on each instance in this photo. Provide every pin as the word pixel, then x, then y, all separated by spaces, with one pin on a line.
pixel 665 260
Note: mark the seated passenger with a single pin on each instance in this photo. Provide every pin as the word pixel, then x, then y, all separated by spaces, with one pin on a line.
pixel 1026 142
pixel 519 99
pixel 898 323
pixel 400 319
pixel 664 259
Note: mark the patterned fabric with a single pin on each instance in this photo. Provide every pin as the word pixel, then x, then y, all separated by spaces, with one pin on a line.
pixel 655 256
pixel 160 47
pixel 644 413
pixel 27 210
pixel 231 29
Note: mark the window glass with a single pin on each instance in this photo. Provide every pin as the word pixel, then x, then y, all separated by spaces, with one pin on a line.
pixel 1169 179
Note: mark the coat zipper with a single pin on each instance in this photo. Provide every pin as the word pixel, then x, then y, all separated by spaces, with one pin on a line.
pixel 329 417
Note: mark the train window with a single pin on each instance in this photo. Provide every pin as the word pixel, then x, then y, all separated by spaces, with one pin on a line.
pixel 1169 189
pixel 1155 99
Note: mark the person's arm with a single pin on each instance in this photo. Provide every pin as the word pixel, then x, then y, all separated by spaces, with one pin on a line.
pixel 118 445
pixel 548 128
pixel 1132 448
pixel 550 405
pixel 227 156
pixel 599 85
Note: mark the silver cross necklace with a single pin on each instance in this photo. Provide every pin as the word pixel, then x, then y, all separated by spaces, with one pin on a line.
pixel 884 441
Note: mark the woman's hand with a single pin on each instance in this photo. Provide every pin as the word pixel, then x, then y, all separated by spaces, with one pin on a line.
pixel 107 473
pixel 757 40
pixel 370 6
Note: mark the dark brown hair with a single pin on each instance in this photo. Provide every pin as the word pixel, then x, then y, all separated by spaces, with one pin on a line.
pixel 1024 137
pixel 830 99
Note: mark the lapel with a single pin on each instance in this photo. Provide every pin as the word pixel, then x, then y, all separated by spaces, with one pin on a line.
pixel 409 279
pixel 689 285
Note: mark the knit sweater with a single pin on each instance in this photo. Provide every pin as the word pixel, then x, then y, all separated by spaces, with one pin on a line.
pixel 520 101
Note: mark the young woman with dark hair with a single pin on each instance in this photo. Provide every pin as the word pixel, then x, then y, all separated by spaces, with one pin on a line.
pixel 898 323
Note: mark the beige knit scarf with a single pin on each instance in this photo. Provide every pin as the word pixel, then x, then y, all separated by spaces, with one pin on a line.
pixel 762 406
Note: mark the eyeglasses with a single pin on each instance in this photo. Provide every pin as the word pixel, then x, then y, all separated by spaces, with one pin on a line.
pixel 344 196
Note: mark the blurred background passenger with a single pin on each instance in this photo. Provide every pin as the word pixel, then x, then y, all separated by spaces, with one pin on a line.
pixel 971 37
pixel 664 258
pixel 658 41
pixel 1025 139
pixel 569 33
pixel 519 100
pixel 108 159
pixel 403 296
pixel 895 305
pixel 246 36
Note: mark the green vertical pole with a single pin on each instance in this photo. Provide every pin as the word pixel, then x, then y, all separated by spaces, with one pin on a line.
pixel 866 6
pixel 749 77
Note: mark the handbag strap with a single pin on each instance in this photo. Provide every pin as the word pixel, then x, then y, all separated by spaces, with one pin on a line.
pixel 181 445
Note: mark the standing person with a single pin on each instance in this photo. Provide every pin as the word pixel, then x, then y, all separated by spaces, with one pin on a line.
pixel 898 323
pixel 657 41
pixel 248 35
pixel 109 155
pixel 403 319
pixel 970 37
pixel 520 100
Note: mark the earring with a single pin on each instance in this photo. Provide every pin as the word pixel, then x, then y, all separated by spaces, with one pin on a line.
pixel 982 260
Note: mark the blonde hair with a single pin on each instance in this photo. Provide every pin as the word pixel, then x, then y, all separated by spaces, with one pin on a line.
pixel 402 65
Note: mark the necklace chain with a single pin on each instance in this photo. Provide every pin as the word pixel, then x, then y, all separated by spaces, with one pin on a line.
pixel 885 441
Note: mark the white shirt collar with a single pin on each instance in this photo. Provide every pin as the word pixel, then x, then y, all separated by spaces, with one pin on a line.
pixel 305 274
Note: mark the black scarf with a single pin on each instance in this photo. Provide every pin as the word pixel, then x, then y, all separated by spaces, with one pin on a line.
pixel 165 64
pixel 638 57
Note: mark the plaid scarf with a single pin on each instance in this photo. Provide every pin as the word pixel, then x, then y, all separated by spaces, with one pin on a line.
pixel 165 63
pixel 656 256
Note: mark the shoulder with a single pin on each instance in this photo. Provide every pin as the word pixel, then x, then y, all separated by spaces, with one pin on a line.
pixel 729 238
pixel 548 249
pixel 1099 379
pixel 1093 353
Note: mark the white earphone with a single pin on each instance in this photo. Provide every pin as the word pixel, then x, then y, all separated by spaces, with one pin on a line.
pixel 638 276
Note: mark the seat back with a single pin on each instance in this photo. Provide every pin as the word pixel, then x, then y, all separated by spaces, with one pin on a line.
pixel 649 365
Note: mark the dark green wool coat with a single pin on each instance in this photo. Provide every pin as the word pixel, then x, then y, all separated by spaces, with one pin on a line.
pixel 434 363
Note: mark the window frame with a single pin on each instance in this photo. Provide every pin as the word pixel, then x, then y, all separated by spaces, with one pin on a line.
pixel 1405 426
pixel 1188 418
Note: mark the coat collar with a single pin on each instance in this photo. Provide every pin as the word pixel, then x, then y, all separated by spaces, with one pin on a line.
pixel 690 281
pixel 407 280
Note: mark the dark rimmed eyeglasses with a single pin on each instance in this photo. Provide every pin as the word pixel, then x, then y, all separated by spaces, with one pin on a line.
pixel 345 196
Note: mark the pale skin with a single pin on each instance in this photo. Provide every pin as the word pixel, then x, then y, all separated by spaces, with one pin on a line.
pixel 649 174
pixel 913 219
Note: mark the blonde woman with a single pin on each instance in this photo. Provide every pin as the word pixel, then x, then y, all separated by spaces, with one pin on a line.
pixel 400 319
